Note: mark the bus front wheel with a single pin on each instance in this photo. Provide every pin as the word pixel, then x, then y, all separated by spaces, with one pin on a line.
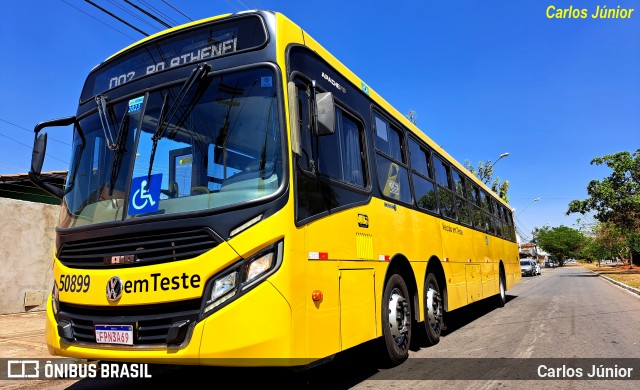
pixel 433 309
pixel 396 319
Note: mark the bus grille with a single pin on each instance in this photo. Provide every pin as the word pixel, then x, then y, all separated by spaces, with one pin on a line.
pixel 151 323
pixel 152 247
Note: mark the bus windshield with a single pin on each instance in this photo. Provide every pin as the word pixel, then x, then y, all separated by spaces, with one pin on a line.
pixel 220 145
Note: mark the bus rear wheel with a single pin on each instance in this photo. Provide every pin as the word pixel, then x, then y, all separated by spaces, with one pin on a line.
pixel 396 320
pixel 433 309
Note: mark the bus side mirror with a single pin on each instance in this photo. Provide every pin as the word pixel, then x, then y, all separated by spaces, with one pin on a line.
pixel 326 115
pixel 37 156
pixel 39 150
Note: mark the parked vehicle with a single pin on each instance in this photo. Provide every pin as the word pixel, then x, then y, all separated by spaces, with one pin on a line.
pixel 537 266
pixel 527 267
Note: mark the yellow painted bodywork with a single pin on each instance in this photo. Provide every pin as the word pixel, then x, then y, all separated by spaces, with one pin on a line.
pixel 278 322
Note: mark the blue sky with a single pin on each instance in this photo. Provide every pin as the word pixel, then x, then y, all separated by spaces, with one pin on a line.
pixel 484 78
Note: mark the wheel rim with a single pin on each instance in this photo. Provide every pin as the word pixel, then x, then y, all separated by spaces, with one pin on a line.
pixel 502 290
pixel 398 317
pixel 434 308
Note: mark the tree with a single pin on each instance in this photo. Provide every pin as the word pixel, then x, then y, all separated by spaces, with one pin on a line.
pixel 560 242
pixel 484 172
pixel 606 241
pixel 616 198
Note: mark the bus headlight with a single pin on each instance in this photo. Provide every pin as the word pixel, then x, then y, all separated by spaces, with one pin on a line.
pixel 241 277
pixel 224 288
pixel 259 266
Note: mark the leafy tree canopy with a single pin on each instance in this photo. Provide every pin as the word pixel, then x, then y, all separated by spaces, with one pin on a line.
pixel 484 172
pixel 560 242
pixel 616 198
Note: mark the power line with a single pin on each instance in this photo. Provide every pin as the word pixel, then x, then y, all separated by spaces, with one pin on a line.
pixel 242 4
pixel 14 166
pixel 31 131
pixel 232 5
pixel 31 147
pixel 177 10
pixel 152 16
pixel 114 2
pixel 93 17
pixel 158 11
pixel 116 17
pixel 254 4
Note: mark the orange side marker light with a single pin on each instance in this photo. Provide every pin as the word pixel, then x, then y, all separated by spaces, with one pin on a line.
pixel 316 296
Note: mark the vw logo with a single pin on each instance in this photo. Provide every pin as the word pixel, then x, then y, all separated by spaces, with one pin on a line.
pixel 114 289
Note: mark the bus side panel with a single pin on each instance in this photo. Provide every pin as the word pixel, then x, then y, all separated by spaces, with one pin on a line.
pixel 512 264
pixel 457 247
pixel 347 235
pixel 258 326
pixel 357 307
pixel 323 316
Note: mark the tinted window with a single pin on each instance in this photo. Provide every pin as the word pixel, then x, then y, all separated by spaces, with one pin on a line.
pixel 340 154
pixel 393 180
pixel 441 169
pixel 393 175
pixel 425 193
pixel 458 183
pixel 419 158
pixel 387 139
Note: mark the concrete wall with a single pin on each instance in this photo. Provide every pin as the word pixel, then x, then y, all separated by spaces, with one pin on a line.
pixel 27 242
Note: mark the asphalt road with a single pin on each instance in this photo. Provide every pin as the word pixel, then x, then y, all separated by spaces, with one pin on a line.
pixel 554 320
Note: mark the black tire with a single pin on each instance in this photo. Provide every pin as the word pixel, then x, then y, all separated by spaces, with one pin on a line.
pixel 396 320
pixel 433 309
pixel 501 298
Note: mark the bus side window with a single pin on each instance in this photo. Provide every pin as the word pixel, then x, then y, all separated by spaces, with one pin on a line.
pixel 488 218
pixel 476 211
pixel 446 198
pixel 423 186
pixel 393 175
pixel 462 205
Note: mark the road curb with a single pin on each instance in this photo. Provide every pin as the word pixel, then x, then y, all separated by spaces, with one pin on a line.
pixel 628 288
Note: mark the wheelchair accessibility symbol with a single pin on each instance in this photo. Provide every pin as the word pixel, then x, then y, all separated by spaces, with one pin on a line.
pixel 145 194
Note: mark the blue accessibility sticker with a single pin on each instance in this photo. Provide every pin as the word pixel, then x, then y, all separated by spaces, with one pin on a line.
pixel 145 194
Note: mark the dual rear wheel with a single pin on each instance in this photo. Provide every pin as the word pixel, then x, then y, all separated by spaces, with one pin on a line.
pixel 397 316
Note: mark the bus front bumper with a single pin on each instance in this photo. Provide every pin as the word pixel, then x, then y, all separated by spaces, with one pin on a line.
pixel 254 330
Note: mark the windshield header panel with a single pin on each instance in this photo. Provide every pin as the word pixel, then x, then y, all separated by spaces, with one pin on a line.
pixel 202 43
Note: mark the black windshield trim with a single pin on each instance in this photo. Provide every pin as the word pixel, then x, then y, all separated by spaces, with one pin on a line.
pixel 276 196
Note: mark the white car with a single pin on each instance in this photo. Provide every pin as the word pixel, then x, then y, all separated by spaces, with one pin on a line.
pixel 537 267
pixel 527 267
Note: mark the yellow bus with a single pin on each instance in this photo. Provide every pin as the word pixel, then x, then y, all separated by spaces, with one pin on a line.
pixel 237 196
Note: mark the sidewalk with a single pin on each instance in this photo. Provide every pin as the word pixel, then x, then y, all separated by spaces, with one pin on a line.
pixel 22 335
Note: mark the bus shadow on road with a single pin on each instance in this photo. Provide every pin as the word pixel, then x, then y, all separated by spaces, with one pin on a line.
pixel 345 370
pixel 467 314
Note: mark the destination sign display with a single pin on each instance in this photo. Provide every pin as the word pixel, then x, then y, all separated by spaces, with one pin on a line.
pixel 201 44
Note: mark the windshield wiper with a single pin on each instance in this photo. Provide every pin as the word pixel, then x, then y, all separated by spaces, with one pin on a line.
pixel 101 102
pixel 165 118
pixel 119 152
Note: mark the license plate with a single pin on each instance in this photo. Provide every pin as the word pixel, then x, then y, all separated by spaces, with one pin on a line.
pixel 114 334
